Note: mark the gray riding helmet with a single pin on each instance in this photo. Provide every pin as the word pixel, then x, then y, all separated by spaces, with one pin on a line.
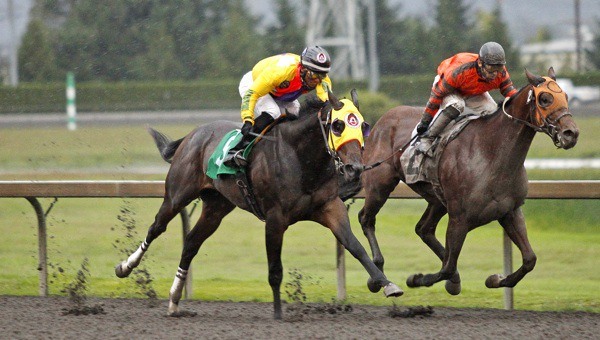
pixel 316 59
pixel 492 53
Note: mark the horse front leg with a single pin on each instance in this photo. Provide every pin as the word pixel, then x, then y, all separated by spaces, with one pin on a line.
pixel 514 225
pixel 455 238
pixel 165 214
pixel 274 230
pixel 376 194
pixel 335 217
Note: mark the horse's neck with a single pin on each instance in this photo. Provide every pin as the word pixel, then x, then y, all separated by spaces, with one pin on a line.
pixel 507 139
pixel 306 136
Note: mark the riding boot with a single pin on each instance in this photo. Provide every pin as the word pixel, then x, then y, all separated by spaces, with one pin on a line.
pixel 438 125
pixel 235 156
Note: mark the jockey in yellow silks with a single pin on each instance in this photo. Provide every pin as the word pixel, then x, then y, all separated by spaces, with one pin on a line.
pixel 273 86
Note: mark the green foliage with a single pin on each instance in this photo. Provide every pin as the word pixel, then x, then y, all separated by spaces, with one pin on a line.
pixel 453 30
pixel 143 40
pixel 287 34
pixel 36 57
pixel 373 105
pixel 493 28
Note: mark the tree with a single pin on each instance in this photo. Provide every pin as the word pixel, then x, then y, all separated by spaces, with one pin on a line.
pixel 36 57
pixel 453 30
pixel 236 47
pixel 287 34
pixel 404 46
pixel 493 28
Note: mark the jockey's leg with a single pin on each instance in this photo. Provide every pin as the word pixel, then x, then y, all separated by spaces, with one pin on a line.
pixel 437 126
pixel 236 153
pixel 482 104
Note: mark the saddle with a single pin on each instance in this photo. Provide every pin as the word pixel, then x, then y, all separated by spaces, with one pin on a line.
pixel 419 168
pixel 217 167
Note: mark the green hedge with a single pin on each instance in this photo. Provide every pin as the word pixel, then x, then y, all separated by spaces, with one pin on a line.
pixel 205 94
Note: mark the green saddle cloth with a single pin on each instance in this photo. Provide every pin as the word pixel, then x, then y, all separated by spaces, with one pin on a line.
pixel 215 162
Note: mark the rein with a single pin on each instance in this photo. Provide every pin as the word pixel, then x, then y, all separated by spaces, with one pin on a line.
pixel 325 134
pixel 376 164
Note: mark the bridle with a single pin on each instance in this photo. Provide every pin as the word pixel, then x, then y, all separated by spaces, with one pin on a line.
pixel 326 133
pixel 545 122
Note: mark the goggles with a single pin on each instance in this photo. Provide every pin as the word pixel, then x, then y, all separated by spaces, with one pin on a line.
pixel 493 68
pixel 315 75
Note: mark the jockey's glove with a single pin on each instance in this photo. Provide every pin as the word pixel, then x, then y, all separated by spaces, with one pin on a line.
pixel 424 123
pixel 246 128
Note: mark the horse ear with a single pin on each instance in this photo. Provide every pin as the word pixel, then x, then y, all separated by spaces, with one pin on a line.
pixel 354 96
pixel 335 103
pixel 551 73
pixel 533 79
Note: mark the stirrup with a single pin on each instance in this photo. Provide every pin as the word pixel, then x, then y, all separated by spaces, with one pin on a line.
pixel 235 158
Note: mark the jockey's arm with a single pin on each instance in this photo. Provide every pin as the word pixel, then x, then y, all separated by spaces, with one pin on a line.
pixel 262 85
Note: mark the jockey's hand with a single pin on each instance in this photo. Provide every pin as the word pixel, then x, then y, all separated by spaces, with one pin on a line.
pixel 246 128
pixel 424 123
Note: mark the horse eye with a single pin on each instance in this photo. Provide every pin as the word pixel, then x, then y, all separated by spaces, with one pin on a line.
pixel 545 99
pixel 337 127
pixel 366 129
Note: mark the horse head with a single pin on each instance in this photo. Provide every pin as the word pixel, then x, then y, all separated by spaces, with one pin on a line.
pixel 549 110
pixel 345 132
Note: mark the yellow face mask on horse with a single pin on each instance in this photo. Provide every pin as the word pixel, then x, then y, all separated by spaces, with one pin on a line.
pixel 347 124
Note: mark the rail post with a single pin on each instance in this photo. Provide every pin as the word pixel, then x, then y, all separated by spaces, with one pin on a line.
pixel 71 108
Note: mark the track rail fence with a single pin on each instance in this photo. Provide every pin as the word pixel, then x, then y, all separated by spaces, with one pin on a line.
pixel 32 190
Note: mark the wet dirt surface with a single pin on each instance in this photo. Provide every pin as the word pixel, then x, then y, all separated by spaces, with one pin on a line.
pixel 48 318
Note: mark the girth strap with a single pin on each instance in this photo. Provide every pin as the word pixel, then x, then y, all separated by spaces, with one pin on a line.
pixel 246 190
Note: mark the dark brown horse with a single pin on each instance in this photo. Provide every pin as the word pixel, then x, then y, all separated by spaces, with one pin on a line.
pixel 293 172
pixel 481 174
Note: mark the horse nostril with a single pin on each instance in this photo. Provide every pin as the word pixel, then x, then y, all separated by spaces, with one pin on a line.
pixel 352 170
pixel 570 134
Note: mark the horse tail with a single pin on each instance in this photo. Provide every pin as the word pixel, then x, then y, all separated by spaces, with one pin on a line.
pixel 165 145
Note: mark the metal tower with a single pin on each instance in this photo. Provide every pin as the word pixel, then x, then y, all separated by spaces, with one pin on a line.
pixel 338 26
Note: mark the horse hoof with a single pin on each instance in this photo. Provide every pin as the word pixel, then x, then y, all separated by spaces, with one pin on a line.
pixel 173 309
pixel 373 286
pixel 453 288
pixel 412 280
pixel 493 281
pixel 120 272
pixel 392 290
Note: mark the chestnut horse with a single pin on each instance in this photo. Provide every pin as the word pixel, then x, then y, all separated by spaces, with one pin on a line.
pixel 294 173
pixel 481 174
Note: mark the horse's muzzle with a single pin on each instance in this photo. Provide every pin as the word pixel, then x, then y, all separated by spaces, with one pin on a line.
pixel 566 138
pixel 351 172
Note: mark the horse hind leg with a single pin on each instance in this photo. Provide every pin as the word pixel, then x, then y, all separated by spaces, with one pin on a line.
pixel 455 237
pixel 166 213
pixel 214 208
pixel 514 225
pixel 425 229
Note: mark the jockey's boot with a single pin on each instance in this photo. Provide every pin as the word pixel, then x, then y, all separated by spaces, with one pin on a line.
pixel 235 156
pixel 438 125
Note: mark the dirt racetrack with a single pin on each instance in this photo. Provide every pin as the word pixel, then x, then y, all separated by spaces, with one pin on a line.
pixel 46 318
